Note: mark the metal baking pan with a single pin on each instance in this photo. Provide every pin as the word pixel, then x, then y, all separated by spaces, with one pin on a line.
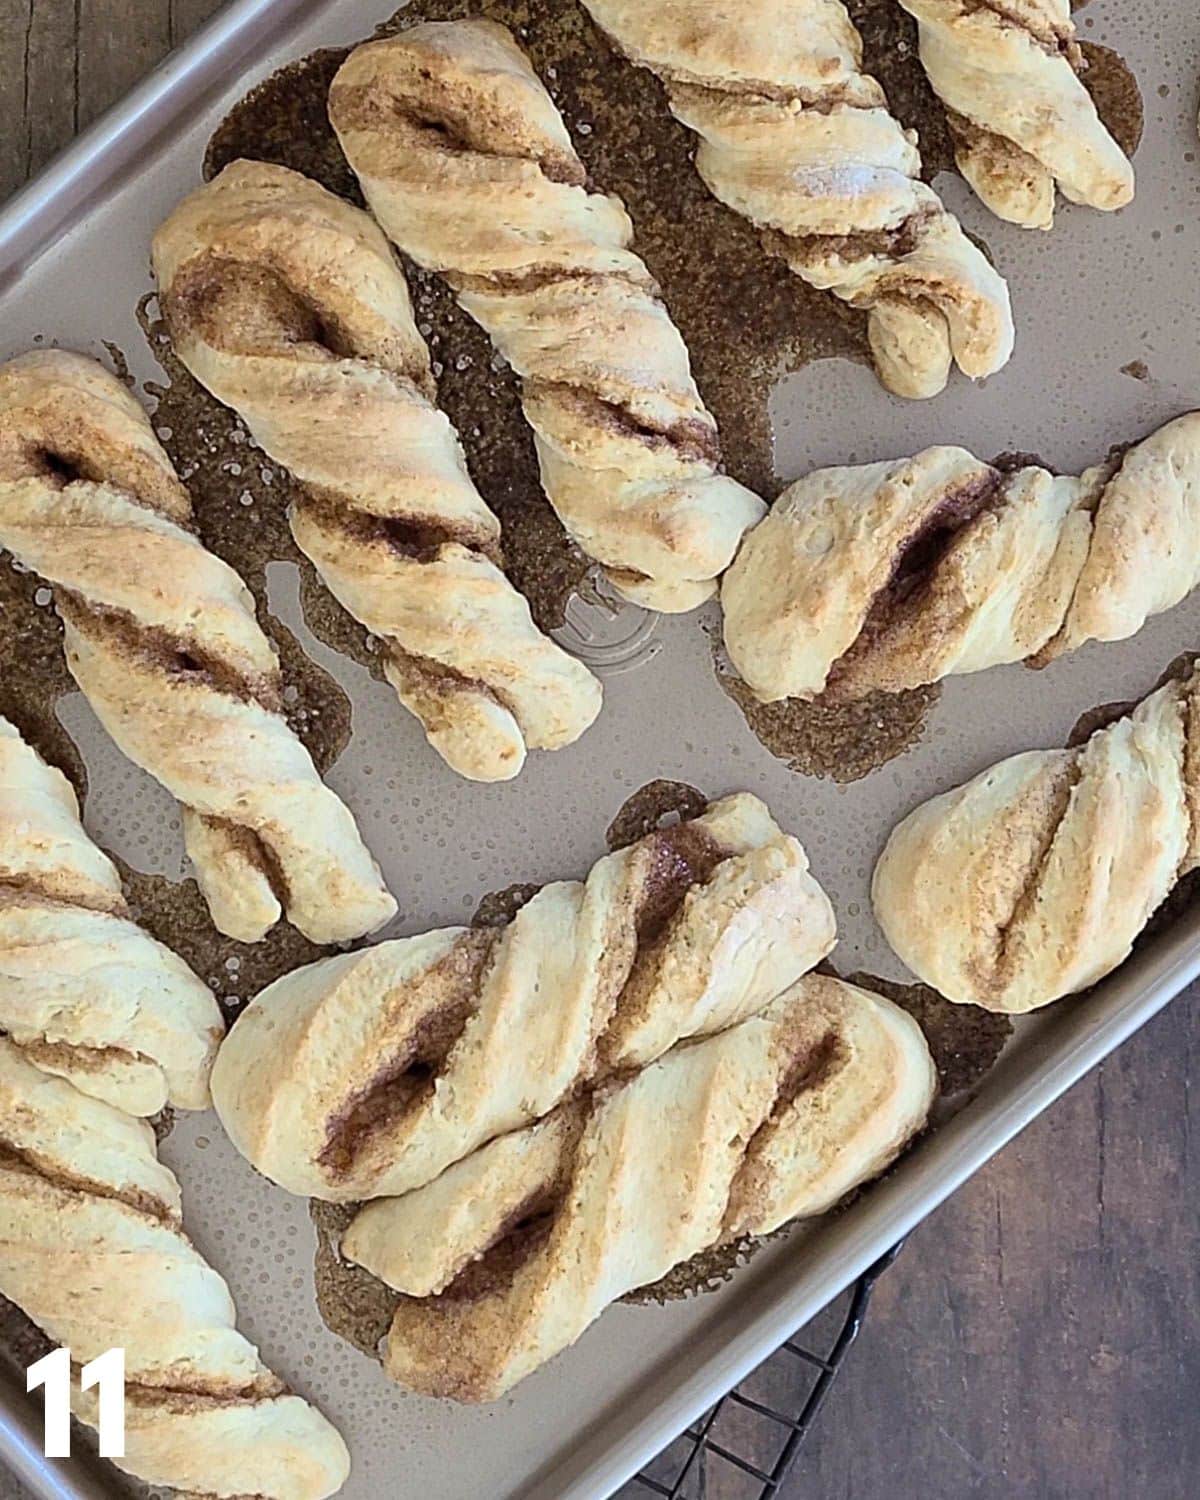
pixel 1098 294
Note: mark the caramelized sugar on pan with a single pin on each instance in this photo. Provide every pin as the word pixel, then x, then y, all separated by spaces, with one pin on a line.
pixel 965 1040
pixel 841 741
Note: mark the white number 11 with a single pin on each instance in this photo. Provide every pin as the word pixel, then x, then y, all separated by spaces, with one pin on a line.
pixel 107 1373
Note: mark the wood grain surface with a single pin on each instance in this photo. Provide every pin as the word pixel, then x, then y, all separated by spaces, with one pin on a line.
pixel 1038 1336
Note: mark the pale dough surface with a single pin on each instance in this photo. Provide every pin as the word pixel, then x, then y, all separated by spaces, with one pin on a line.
pixel 1032 880
pixel 163 640
pixel 794 136
pixel 1022 120
pixel 84 992
pixel 372 1072
pixel 93 1250
pixel 892 575
pixel 775 1118
pixel 286 303
pixel 467 165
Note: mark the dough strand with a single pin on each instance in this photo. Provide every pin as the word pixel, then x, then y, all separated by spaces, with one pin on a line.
pixel 286 304
pixel 798 139
pixel 507 1257
pixel 892 575
pixel 162 638
pixel 372 1072
pixel 467 165
pixel 84 992
pixel 1022 120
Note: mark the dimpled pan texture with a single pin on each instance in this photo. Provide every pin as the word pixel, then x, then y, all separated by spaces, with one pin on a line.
pixel 1100 304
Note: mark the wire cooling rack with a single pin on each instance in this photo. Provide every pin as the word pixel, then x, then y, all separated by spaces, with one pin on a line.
pixel 747 1445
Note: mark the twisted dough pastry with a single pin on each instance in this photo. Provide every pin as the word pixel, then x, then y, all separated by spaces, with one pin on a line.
pixel 892 575
pixel 466 163
pixel 1032 881
pixel 794 136
pixel 286 304
pixel 370 1073
pixel 512 1253
pixel 92 1250
pixel 84 992
pixel 1008 72
pixel 162 638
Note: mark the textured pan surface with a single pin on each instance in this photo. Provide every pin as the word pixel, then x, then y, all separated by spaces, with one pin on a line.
pixel 1098 294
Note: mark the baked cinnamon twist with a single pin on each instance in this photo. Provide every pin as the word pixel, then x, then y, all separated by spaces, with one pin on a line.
pixel 466 163
pixel 891 575
pixel 795 137
pixel 370 1073
pixel 92 1250
pixel 1022 121
pixel 286 303
pixel 509 1256
pixel 1032 881
pixel 83 991
pixel 162 638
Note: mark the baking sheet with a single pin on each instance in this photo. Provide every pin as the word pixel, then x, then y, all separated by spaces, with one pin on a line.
pixel 1098 294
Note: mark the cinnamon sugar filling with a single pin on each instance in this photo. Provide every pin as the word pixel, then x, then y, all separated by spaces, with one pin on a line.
pixel 408 1076
pixel 914 568
pixel 258 853
pixel 416 671
pixel 80 453
pixel 250 308
pixel 682 856
pixel 526 1231
pixel 803 250
pixel 54 888
pixel 416 537
pixel 692 439
pixel 447 124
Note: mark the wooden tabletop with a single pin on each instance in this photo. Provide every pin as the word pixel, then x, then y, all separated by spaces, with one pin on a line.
pixel 1039 1335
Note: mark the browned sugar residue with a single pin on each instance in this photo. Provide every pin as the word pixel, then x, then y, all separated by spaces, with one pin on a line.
pixel 1136 369
pixel 650 808
pixel 355 1305
pixel 965 1040
pixel 498 908
pixel 841 741
pixel 33 670
pixel 1115 93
